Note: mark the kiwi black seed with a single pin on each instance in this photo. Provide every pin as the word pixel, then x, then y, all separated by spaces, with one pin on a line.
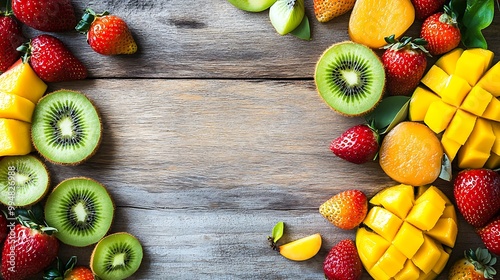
pixel 66 127
pixel 350 78
pixel 117 256
pixel 81 210
pixel 24 180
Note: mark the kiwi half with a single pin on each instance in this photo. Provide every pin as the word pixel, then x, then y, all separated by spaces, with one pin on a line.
pixel 117 256
pixel 286 15
pixel 81 210
pixel 24 180
pixel 252 5
pixel 66 127
pixel 350 78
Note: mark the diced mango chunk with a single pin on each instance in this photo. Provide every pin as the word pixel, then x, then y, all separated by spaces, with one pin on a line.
pixel 450 147
pixel 460 127
pixel 15 139
pixel 439 115
pixel 496 131
pixel 398 199
pixel 15 107
pixel 372 247
pixel 469 157
pixel 420 102
pixel 392 261
pixel 472 64
pixel 441 263
pixel 491 80
pixel 21 80
pixel 487 55
pixel 409 272
pixel 383 222
pixel 435 79
pixel 493 161
pixel 492 112
pixel 425 215
pixel 455 91
pixel 428 255
pixel 476 101
pixel 445 231
pixel 482 137
pixel 433 195
pixel 449 212
pixel 408 240
pixel 448 61
pixel 377 273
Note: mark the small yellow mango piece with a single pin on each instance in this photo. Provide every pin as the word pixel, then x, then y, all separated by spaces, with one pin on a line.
pixel 439 115
pixel 392 261
pixel 476 101
pixel 409 272
pixel 301 249
pixel 398 199
pixel 21 80
pixel 460 127
pixel 455 90
pixel 371 246
pixel 482 137
pixel 408 240
pixel 491 80
pixel 470 157
pixel 449 212
pixel 420 102
pixel 383 222
pixel 445 231
pixel 425 215
pixel 376 272
pixel 441 263
pixel 450 147
pixel 492 112
pixel 15 138
pixel 428 255
pixel 15 107
pixel 496 130
pixel 472 64
pixel 487 55
pixel 493 161
pixel 448 61
pixel 435 79
pixel 433 195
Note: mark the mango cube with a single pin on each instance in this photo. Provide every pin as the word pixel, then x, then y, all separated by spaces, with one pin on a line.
pixel 470 157
pixel 383 222
pixel 472 64
pixel 492 112
pixel 420 102
pixel 21 80
pixel 441 263
pixel 434 196
pixel 392 261
pixel 439 115
pixel 449 212
pixel 460 127
pixel 448 61
pixel 482 137
pixel 476 101
pixel 398 199
pixel 15 107
pixel 15 137
pixel 455 91
pixel 496 130
pixel 408 240
pixel 409 272
pixel 491 80
pixel 493 161
pixel 377 273
pixel 487 55
pixel 425 215
pixel 445 231
pixel 450 147
pixel 435 79
pixel 372 248
pixel 428 255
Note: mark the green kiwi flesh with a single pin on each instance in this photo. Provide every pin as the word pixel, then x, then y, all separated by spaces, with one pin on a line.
pixel 66 127
pixel 117 256
pixel 24 180
pixel 350 78
pixel 286 15
pixel 252 5
pixel 81 210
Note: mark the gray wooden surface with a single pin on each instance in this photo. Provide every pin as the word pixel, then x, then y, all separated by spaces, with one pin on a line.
pixel 213 133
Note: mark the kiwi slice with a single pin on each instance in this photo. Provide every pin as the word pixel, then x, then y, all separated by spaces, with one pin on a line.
pixel 117 256
pixel 81 210
pixel 286 15
pixel 66 127
pixel 350 78
pixel 252 5
pixel 24 180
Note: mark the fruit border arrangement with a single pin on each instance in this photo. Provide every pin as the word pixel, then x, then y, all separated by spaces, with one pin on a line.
pixel 420 125
pixel 62 127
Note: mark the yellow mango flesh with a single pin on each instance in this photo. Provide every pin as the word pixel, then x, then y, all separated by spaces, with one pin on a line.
pixel 472 64
pixel 15 139
pixel 383 222
pixel 428 254
pixel 409 272
pixel 455 91
pixel 470 157
pixel 21 80
pixel 439 115
pixel 445 231
pixel 398 199
pixel 301 249
pixel 15 107
pixel 482 137
pixel 476 101
pixel 448 61
pixel 435 79
pixel 419 103
pixel 493 161
pixel 441 263
pixel 492 112
pixel 408 240
pixel 373 247
pixel 392 261
pixel 460 127
pixel 496 130
pixel 491 80
pixel 450 147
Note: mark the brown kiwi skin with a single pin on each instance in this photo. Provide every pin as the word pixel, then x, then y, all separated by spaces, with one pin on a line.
pixel 112 201
pixel 333 109
pixel 98 142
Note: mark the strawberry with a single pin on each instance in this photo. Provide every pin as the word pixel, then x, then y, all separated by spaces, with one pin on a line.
pixel 68 271
pixel 358 144
pixel 405 62
pixel 477 195
pixel 476 265
pixel 346 209
pixel 48 15
pixel 11 37
pixel 342 262
pixel 326 10
pixel 28 250
pixel 52 61
pixel 441 32
pixel 107 34
pixel 425 8
pixel 490 234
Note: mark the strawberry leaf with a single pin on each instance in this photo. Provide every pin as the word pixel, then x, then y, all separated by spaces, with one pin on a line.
pixel 303 31
pixel 391 111
pixel 473 16
pixel 278 230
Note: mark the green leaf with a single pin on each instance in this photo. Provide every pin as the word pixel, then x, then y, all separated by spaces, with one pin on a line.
pixel 446 171
pixel 303 31
pixel 473 16
pixel 278 230
pixel 391 111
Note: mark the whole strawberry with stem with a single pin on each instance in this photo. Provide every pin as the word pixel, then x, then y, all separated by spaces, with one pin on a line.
pixel 47 15
pixel 441 32
pixel 404 62
pixel 68 271
pixel 477 195
pixel 11 37
pixel 475 265
pixel 51 60
pixel 490 234
pixel 29 248
pixel 346 209
pixel 342 262
pixel 425 8
pixel 107 34
pixel 358 144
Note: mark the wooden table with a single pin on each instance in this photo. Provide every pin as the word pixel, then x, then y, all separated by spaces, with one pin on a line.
pixel 213 132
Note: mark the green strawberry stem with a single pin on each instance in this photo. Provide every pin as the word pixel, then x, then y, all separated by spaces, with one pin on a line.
pixel 482 261
pixel 60 271
pixel 87 19
pixel 33 222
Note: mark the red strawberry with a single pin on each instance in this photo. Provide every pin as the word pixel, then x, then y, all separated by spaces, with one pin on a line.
pixel 48 15
pixel 358 144
pixel 477 194
pixel 68 271
pixel 490 234
pixel 342 262
pixel 346 209
pixel 326 10
pixel 11 37
pixel 107 34
pixel 52 61
pixel 404 62
pixel 476 265
pixel 28 251
pixel 425 8
pixel 441 32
